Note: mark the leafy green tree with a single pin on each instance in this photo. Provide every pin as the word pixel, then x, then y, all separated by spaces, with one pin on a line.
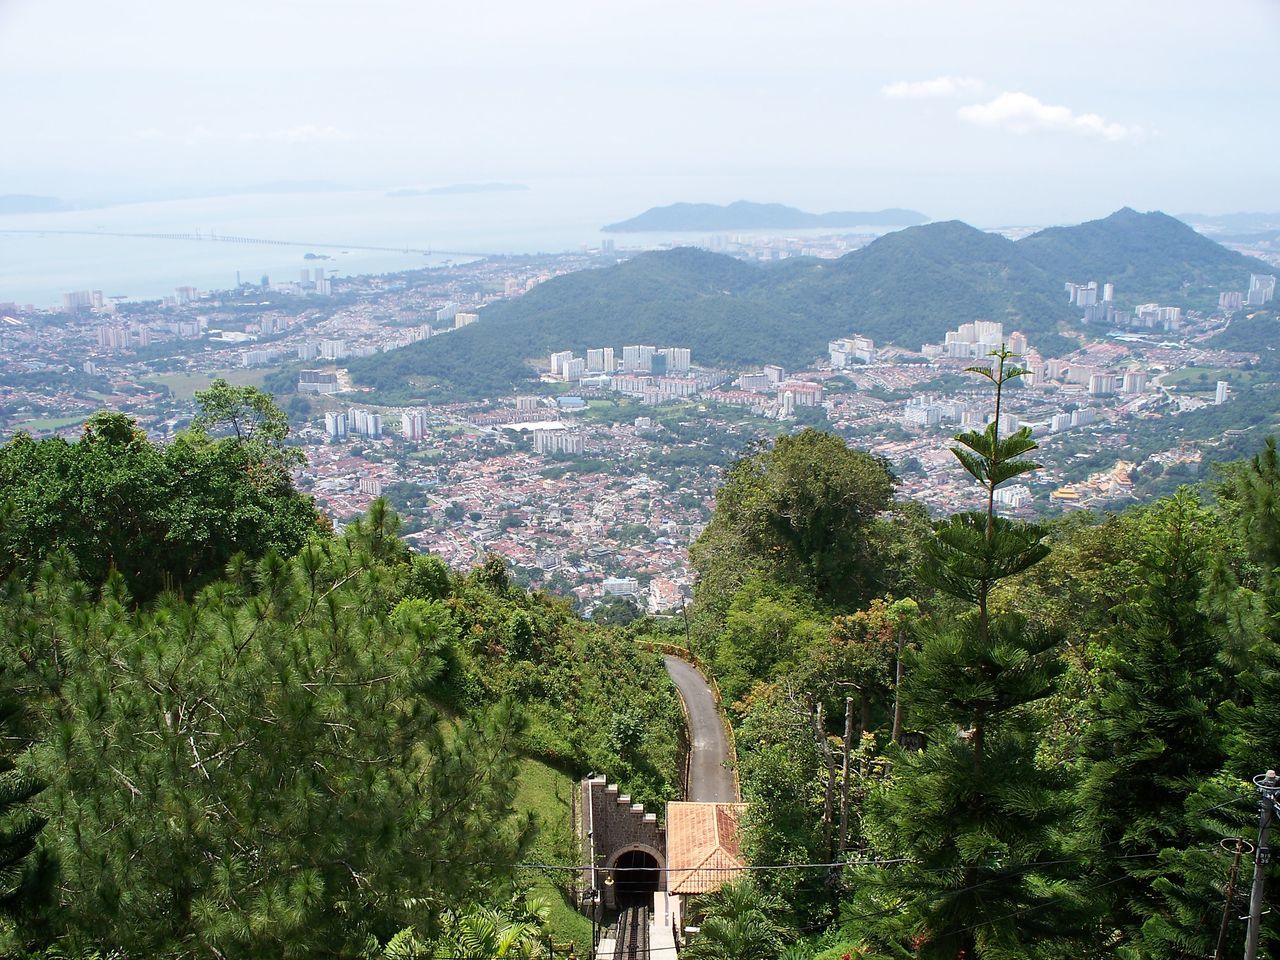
pixel 493 574
pixel 164 517
pixel 246 412
pixel 1248 615
pixel 616 612
pixel 765 626
pixel 479 933
pixel 797 513
pixel 973 814
pixel 1186 889
pixel 427 578
pixel 785 783
pixel 735 923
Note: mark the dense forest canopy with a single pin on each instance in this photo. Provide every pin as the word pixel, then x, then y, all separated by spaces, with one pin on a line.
pixel 1026 741
pixel 969 738
pixel 273 747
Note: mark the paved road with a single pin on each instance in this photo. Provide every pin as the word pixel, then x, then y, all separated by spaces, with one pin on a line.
pixel 710 778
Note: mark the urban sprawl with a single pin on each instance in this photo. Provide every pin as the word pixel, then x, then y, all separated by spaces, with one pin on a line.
pixel 596 482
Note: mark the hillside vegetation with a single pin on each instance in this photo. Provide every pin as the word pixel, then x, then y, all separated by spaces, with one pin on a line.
pixel 1027 741
pixel 906 288
pixel 272 744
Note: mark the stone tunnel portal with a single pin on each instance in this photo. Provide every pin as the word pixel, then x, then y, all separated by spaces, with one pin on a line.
pixel 636 878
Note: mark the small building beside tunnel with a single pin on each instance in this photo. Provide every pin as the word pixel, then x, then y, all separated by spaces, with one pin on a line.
pixel 633 860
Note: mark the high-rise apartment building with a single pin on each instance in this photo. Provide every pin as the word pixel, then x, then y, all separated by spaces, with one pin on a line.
pixel 335 425
pixel 638 359
pixel 77 300
pixel 557 440
pixel 559 360
pixel 414 425
pixel 679 359
pixel 317 381
pixel 1262 288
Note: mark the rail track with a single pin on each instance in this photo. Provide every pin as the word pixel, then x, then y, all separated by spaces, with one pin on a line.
pixel 633 934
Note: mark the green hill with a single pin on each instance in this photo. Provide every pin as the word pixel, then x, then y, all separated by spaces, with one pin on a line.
pixel 1146 255
pixel 909 287
pixel 906 288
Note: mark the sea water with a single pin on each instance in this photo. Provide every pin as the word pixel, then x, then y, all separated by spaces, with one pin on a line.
pixel 75 250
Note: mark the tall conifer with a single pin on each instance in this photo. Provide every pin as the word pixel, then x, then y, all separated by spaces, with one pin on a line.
pixel 973 815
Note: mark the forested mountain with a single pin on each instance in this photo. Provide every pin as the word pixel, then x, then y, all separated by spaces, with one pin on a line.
pixel 906 288
pixel 743 215
pixel 1146 255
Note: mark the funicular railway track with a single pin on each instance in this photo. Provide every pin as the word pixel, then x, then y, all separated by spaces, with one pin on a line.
pixel 633 934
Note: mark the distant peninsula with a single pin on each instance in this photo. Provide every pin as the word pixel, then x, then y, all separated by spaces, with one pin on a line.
pixel 744 215
pixel 456 188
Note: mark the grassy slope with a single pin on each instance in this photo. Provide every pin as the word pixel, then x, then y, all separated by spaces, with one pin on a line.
pixel 185 385
pixel 544 792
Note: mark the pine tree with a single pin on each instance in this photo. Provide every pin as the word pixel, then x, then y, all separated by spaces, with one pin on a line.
pixel 973 815
pixel 1189 885
pixel 23 871
pixel 1151 738
pixel 262 771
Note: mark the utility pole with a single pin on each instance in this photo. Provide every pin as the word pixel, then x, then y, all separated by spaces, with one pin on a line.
pixel 1269 789
pixel 896 734
pixel 1219 950
pixel 846 772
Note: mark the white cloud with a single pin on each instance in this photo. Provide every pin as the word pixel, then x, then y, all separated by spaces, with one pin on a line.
pixel 929 89
pixel 306 133
pixel 200 134
pixel 1023 113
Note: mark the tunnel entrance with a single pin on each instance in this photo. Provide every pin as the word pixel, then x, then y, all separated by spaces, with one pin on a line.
pixel 636 879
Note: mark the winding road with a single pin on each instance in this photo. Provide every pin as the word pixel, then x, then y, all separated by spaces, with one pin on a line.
pixel 711 778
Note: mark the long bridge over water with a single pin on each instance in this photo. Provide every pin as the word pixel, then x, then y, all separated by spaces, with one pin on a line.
pixel 251 241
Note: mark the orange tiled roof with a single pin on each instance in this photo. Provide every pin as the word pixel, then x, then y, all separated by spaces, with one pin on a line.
pixel 704 848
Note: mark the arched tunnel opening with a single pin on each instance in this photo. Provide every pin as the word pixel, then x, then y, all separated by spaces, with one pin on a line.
pixel 636 879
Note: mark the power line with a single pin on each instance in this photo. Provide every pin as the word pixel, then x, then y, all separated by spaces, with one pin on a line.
pixel 746 868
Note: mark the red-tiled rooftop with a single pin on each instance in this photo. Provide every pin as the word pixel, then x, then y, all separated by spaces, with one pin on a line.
pixel 704 849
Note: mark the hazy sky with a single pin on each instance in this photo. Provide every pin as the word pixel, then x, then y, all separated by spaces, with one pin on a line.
pixel 1017 111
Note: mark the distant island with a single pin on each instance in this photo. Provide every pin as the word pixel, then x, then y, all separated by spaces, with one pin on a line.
pixel 744 215
pixel 25 203
pixel 1238 224
pixel 456 188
